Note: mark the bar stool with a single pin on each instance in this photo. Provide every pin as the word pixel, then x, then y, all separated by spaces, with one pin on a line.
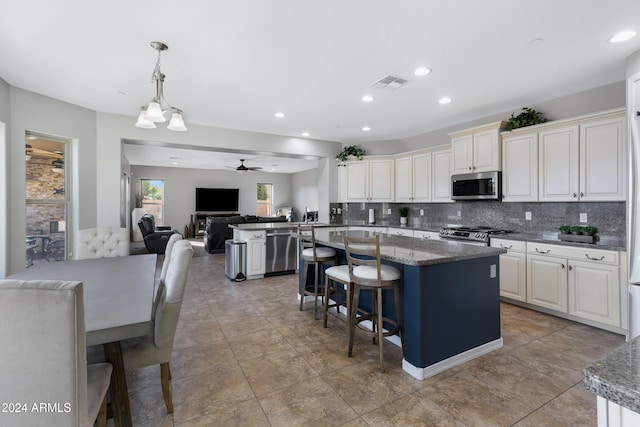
pixel 316 255
pixel 335 275
pixel 367 273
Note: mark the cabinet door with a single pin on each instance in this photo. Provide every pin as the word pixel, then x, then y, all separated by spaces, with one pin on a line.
pixel 513 276
pixel 357 181
pixel 441 176
pixel 520 168
pixel 404 179
pixel 602 160
pixel 547 282
pixel 381 178
pixel 421 177
pixel 342 184
pixel 256 257
pixel 462 149
pixel 558 164
pixel 486 151
pixel 594 292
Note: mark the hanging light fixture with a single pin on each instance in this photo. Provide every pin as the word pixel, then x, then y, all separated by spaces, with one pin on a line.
pixel 153 112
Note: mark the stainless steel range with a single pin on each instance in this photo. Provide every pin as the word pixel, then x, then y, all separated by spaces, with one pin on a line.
pixel 472 235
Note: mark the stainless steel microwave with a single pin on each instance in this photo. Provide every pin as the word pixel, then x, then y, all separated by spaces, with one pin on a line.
pixel 477 186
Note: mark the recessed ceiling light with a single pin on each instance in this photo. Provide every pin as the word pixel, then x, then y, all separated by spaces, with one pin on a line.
pixel 536 41
pixel 444 100
pixel 174 163
pixel 306 134
pixel 366 128
pixel 367 98
pixel 279 115
pixel 422 71
pixel 622 36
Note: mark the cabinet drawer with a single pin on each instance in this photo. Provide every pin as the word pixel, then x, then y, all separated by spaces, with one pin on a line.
pixel 256 235
pixel 400 232
pixel 426 234
pixel 510 245
pixel 582 254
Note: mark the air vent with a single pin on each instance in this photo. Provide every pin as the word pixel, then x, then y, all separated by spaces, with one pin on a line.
pixel 389 82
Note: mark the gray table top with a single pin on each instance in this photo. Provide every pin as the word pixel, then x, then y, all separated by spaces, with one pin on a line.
pixel 617 376
pixel 118 293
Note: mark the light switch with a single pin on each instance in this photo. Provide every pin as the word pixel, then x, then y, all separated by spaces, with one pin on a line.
pixel 389 211
pixel 421 212
pixel 583 217
pixel 527 216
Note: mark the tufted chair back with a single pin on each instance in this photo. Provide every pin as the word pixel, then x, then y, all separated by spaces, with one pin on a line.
pixel 44 355
pixel 102 242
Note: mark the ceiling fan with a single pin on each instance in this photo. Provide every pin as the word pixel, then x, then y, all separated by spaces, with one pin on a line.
pixel 243 168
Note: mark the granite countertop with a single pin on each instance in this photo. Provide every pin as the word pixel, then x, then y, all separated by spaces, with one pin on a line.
pixel 254 226
pixel 617 376
pixel 412 251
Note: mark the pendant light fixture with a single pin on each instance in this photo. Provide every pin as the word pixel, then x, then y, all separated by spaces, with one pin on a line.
pixel 154 111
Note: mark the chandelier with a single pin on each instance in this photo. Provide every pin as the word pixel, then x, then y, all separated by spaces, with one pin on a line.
pixel 153 112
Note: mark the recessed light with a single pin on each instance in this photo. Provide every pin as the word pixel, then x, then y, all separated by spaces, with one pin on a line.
pixel 366 128
pixel 367 98
pixel 422 71
pixel 536 41
pixel 279 115
pixel 622 36
pixel 174 163
pixel 444 100
pixel 306 134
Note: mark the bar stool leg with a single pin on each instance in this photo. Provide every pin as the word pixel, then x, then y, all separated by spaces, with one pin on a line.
pixel 316 267
pixel 352 316
pixel 379 325
pixel 303 291
pixel 327 282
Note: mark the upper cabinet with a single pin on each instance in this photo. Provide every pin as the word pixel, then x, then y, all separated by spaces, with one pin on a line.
pixel 579 159
pixel 424 176
pixel 476 149
pixel 441 173
pixel 370 180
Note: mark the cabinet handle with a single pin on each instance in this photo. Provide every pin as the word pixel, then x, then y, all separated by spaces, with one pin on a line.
pixel 469 167
pixel 575 195
pixel 505 247
pixel 543 252
pixel 594 259
pixel 581 194
pixel 570 268
pixel 562 266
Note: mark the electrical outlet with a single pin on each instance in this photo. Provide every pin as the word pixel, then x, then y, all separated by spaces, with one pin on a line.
pixel 492 271
pixel 527 216
pixel 421 212
pixel 333 211
pixel 389 211
pixel 583 217
pixel 339 211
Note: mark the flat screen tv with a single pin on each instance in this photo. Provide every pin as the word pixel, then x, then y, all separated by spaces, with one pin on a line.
pixel 217 199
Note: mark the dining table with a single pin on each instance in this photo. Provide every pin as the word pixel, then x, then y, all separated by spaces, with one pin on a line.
pixel 118 299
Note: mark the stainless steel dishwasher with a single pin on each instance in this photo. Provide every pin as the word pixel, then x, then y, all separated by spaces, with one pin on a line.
pixel 281 251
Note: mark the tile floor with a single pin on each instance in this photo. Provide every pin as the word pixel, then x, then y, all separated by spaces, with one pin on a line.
pixel 245 356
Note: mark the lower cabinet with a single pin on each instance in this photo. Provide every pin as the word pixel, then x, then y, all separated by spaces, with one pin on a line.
pixel 594 292
pixel 547 282
pixel 256 251
pixel 513 269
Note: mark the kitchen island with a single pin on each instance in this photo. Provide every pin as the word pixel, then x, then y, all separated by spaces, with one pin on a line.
pixel 450 298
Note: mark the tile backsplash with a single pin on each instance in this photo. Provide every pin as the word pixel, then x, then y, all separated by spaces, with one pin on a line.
pixel 608 217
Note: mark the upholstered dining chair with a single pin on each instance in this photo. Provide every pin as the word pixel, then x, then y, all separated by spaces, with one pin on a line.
pixel 167 254
pixel 155 349
pixel 102 242
pixel 44 370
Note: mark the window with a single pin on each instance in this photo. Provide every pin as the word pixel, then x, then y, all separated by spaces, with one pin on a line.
pixel 47 201
pixel 153 198
pixel 265 199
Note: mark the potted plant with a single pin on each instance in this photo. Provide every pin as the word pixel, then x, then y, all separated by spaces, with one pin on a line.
pixel 350 150
pixel 404 212
pixel 528 117
pixel 576 230
pixel 589 231
pixel 565 229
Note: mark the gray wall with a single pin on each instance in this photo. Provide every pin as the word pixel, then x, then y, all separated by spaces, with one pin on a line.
pixel 590 101
pixel 180 185
pixel 5 118
pixel 305 192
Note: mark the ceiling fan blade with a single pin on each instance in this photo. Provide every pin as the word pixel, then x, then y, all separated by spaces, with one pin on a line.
pixel 254 168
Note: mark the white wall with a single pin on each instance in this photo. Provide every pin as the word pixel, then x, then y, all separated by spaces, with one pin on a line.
pixel 30 111
pixel 305 193
pixel 4 174
pixel 180 185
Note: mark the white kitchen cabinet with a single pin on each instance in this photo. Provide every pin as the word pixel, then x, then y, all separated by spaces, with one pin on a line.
pixel 520 167
pixel 513 269
pixel 581 282
pixel 256 251
pixel 413 178
pixel 370 180
pixel 477 149
pixel 584 161
pixel 547 282
pixel 602 160
pixel 441 173
pixel 558 164
pixel 594 291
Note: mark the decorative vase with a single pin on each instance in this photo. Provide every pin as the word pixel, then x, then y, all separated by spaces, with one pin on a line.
pixel 403 220
pixel 192 227
pixel 136 234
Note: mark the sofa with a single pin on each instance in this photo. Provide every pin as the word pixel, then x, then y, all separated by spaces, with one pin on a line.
pixel 217 229
pixel 155 239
